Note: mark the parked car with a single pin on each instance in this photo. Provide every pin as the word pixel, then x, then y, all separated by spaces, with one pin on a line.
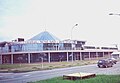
pixel 104 63
pixel 116 55
pixel 113 60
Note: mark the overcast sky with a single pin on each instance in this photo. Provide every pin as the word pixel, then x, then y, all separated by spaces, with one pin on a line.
pixel 27 18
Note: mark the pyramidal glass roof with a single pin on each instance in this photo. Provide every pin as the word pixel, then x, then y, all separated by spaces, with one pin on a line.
pixel 45 36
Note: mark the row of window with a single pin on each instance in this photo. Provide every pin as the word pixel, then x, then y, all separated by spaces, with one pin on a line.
pixel 48 46
pixel 93 47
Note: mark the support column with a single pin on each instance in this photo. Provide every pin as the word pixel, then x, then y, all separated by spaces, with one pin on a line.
pixel 67 57
pixel 103 55
pixel 28 57
pixel 11 58
pixel 80 56
pixel 1 59
pixel 49 57
pixel 89 55
pixel 75 57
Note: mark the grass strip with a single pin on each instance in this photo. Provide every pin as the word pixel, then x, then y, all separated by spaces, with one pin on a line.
pixel 97 79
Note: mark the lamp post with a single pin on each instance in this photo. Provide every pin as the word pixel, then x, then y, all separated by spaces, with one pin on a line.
pixel 116 45
pixel 71 34
pixel 71 39
pixel 42 59
pixel 72 29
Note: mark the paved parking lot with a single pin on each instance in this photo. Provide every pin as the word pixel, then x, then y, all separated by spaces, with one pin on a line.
pixel 41 75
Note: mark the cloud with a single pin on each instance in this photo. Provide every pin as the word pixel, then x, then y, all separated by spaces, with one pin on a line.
pixel 26 18
pixel 12 7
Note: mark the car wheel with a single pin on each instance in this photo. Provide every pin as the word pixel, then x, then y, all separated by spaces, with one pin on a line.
pixel 98 66
pixel 106 66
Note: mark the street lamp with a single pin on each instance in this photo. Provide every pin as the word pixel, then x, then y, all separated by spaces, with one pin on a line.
pixel 42 58
pixel 71 34
pixel 114 14
pixel 72 29
pixel 116 45
pixel 71 39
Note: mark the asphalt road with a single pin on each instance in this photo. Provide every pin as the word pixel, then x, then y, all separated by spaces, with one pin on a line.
pixel 46 74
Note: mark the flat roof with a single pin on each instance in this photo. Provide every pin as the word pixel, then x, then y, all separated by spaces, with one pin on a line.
pixel 52 51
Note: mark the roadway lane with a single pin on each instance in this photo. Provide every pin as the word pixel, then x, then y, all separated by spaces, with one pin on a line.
pixel 46 74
